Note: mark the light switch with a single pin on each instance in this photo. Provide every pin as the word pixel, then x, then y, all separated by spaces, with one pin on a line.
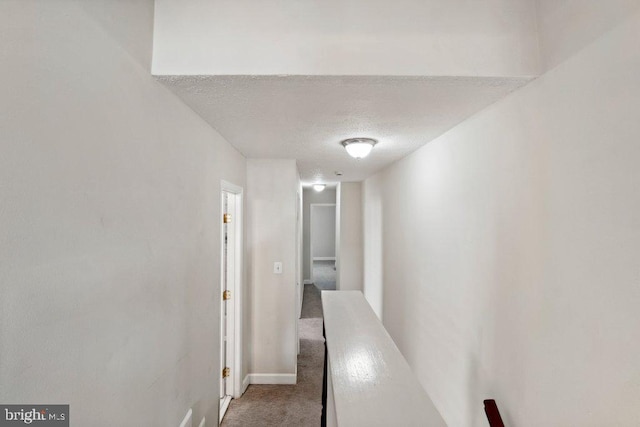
pixel 277 267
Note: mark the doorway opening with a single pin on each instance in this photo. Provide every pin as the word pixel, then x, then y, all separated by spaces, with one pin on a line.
pixel 322 245
pixel 320 237
pixel 230 295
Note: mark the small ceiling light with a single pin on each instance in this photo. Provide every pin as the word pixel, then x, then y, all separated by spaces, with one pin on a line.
pixel 318 187
pixel 359 148
pixel 338 173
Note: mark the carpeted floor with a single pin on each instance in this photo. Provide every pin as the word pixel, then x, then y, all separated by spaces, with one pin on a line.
pixel 324 275
pixel 289 405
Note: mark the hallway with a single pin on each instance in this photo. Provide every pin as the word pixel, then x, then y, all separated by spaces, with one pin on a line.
pixel 481 159
pixel 289 405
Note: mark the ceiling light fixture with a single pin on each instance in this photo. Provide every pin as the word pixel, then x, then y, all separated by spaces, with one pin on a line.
pixel 318 187
pixel 359 148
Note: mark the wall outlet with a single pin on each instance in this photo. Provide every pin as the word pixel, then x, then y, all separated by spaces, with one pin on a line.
pixel 277 267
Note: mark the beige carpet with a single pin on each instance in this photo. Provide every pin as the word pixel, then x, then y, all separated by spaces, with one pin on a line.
pixel 289 405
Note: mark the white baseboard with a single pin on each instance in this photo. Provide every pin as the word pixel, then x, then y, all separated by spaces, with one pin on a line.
pixel 224 405
pixel 187 421
pixel 245 383
pixel 272 378
pixel 308 282
pixel 324 258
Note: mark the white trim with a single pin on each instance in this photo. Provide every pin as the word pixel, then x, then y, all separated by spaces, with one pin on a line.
pixel 299 267
pixel 223 407
pixel 272 378
pixel 238 287
pixel 227 322
pixel 231 188
pixel 308 282
pixel 338 232
pixel 245 383
pixel 324 258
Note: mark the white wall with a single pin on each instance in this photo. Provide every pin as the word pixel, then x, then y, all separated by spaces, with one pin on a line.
pixel 358 37
pixel 566 26
pixel 510 249
pixel 372 215
pixel 323 230
pixel 349 253
pixel 311 196
pixel 272 187
pixel 109 262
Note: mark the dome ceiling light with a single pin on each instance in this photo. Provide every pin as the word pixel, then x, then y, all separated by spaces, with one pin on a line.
pixel 318 187
pixel 359 148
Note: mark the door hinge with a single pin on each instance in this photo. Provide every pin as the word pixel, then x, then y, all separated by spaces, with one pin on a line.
pixel 226 295
pixel 226 372
pixel 226 218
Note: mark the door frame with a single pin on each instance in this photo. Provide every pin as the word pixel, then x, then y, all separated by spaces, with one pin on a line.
pixel 235 285
pixel 311 206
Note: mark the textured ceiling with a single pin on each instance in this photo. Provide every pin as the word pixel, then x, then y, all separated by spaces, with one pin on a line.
pixel 305 118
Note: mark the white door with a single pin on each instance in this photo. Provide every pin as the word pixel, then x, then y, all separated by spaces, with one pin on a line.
pixel 227 308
